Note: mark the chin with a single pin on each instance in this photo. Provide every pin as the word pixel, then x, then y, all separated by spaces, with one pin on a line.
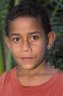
pixel 28 67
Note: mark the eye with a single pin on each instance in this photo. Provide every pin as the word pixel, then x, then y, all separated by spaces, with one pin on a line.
pixel 16 39
pixel 33 38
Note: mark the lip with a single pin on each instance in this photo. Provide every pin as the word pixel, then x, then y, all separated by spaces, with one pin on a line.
pixel 24 58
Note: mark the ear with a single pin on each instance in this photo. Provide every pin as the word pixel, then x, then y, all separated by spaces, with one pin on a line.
pixel 51 39
pixel 7 41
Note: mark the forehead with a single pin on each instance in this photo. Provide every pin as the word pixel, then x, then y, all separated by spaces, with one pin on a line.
pixel 25 24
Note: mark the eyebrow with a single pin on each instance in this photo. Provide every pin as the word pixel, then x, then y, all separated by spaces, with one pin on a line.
pixel 14 34
pixel 30 33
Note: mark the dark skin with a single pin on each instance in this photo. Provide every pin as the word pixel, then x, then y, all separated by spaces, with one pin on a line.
pixel 28 44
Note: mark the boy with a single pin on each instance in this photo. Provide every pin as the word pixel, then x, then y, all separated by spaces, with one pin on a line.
pixel 29 36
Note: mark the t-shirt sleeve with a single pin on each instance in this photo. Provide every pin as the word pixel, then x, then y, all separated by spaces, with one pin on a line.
pixel 2 80
pixel 6 85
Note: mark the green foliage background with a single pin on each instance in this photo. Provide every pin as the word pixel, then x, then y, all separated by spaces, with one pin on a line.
pixel 55 55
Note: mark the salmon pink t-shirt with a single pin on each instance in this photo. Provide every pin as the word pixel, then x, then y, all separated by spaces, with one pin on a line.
pixel 10 86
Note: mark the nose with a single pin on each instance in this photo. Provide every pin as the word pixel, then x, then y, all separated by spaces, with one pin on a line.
pixel 26 46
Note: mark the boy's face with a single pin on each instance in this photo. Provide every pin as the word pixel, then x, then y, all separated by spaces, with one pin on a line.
pixel 27 42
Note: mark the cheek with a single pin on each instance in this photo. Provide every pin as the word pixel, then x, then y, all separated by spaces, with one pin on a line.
pixel 40 48
pixel 15 50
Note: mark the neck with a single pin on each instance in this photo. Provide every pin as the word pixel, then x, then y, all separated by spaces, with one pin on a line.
pixel 41 69
pixel 37 76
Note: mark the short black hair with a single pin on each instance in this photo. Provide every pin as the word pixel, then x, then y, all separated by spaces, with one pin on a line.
pixel 30 9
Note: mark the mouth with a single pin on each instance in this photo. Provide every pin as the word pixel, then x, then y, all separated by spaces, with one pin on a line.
pixel 26 58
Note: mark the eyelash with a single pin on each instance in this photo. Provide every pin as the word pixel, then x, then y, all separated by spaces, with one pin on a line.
pixel 35 37
pixel 16 39
pixel 31 38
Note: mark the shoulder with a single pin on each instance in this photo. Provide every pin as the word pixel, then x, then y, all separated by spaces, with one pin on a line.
pixel 60 73
pixel 5 78
pixel 6 85
pixel 59 79
pixel 59 83
pixel 60 76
